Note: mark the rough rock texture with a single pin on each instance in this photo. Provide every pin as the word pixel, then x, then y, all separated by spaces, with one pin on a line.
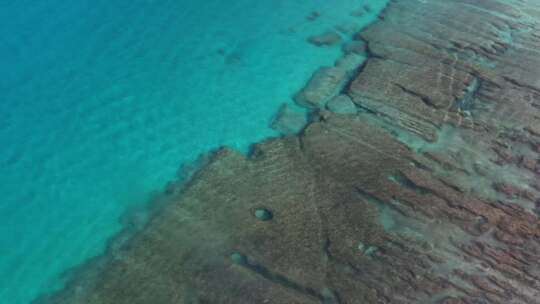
pixel 341 104
pixel 325 84
pixel 429 194
pixel 288 121
pixel 350 62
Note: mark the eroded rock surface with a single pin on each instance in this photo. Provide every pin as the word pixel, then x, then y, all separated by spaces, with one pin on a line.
pixel 341 104
pixel 326 83
pixel 289 121
pixel 429 194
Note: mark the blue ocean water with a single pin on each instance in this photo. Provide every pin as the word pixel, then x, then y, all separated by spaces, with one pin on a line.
pixel 101 101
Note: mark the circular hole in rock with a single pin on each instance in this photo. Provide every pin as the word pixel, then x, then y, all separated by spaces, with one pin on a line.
pixel 239 258
pixel 263 214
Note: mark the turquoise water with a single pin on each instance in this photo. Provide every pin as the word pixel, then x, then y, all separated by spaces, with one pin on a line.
pixel 102 101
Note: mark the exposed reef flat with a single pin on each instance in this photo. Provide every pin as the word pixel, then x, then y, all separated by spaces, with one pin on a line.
pixel 428 194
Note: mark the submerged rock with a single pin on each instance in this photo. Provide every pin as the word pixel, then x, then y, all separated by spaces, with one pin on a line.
pixel 427 237
pixel 355 46
pixel 342 104
pixel 329 38
pixel 313 16
pixel 349 28
pixel 367 8
pixel 325 84
pixel 288 121
pixel 350 62
pixel 358 12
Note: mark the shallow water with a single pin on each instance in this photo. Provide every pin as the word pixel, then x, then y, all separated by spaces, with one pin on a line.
pixel 102 102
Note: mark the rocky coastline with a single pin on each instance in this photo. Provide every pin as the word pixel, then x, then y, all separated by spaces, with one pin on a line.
pixel 421 184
